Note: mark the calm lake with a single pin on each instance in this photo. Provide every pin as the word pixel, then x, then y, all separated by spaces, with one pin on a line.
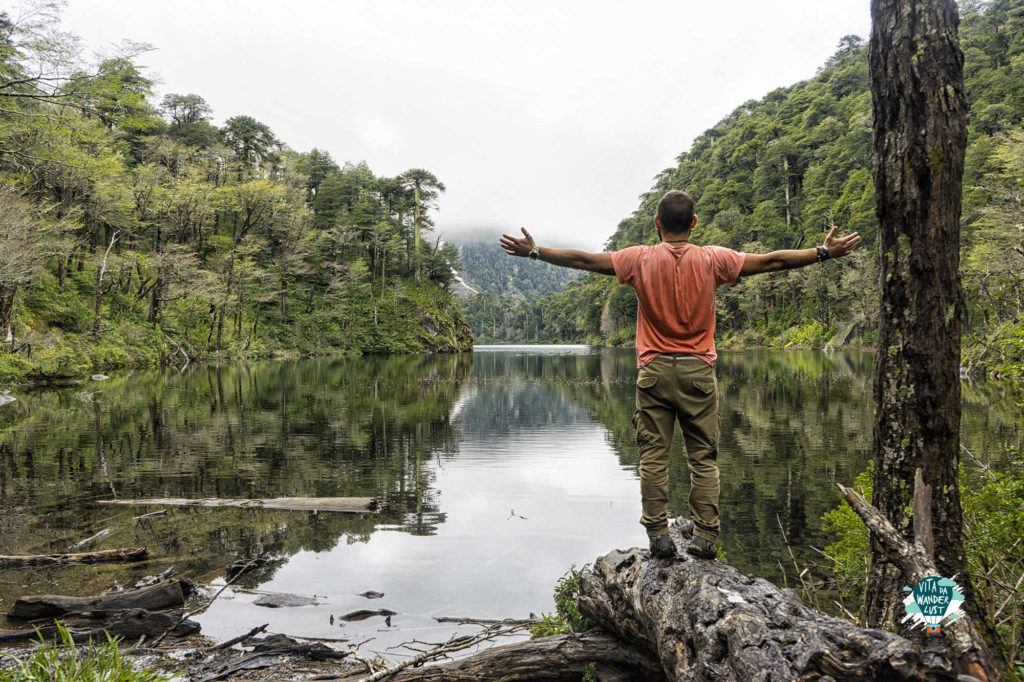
pixel 501 469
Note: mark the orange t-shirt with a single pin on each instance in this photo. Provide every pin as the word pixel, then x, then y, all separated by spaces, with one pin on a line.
pixel 675 287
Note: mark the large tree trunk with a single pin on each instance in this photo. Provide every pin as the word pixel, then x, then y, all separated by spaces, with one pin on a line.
pixel 705 620
pixel 920 133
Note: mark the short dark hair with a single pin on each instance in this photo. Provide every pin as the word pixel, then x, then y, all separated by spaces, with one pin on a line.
pixel 675 211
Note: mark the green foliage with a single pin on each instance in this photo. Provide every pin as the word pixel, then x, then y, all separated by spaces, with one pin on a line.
pixel 590 672
pixel 13 367
pixel 65 661
pixel 567 617
pixel 64 308
pixel 811 334
pixel 65 362
pixel 850 553
pixel 128 239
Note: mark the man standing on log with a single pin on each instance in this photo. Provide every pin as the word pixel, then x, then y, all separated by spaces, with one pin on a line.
pixel 675 283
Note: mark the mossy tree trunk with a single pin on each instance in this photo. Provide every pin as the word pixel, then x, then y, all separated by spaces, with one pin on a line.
pixel 920 134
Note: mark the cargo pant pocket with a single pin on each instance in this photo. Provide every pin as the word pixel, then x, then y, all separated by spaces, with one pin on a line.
pixel 643 434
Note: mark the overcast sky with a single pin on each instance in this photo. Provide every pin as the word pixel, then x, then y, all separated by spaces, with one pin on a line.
pixel 555 115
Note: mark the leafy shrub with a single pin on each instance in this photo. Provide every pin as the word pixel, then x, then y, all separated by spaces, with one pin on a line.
pixel 567 617
pixel 13 367
pixel 810 334
pixel 65 310
pixel 63 363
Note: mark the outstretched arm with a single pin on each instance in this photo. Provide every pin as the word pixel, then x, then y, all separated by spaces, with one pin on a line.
pixel 837 247
pixel 600 263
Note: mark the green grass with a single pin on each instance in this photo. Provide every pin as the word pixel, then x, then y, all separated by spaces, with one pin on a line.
pixel 64 661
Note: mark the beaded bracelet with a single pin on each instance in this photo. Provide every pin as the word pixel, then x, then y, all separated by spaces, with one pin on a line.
pixel 823 254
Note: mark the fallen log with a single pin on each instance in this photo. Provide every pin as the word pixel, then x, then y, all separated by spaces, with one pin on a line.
pixel 166 595
pixel 561 657
pixel 352 505
pixel 131 625
pixel 104 556
pixel 706 620
pixel 914 560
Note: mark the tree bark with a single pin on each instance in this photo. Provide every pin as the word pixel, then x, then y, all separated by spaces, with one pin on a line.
pixel 920 134
pixel 707 621
pixel 562 657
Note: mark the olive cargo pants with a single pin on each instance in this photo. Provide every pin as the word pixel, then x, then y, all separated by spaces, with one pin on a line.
pixel 683 388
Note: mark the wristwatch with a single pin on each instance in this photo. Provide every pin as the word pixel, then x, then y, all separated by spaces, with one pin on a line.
pixel 535 253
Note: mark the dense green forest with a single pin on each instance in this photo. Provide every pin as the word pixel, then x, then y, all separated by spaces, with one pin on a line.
pixel 778 171
pixel 134 231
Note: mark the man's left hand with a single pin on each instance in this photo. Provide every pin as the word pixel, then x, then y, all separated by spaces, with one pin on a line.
pixel 514 246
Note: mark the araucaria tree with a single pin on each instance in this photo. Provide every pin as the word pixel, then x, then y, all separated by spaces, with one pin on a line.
pixel 920 136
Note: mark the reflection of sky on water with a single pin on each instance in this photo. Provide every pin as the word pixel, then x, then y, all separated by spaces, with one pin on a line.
pixel 578 502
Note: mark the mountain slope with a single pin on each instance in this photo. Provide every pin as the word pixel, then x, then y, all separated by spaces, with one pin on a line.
pixel 778 171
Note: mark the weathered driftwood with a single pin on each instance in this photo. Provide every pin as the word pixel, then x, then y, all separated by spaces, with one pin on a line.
pixel 130 625
pixel 269 651
pixel 561 657
pixel 354 505
pixel 706 620
pixel 166 595
pixel 107 555
pixel 914 561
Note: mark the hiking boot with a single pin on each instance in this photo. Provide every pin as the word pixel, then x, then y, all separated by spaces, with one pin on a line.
pixel 662 547
pixel 701 548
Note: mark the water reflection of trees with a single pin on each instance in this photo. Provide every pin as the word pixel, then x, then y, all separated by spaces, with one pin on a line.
pixel 330 427
pixel 793 424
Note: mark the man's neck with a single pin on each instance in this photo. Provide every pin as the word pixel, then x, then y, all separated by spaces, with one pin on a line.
pixel 675 239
